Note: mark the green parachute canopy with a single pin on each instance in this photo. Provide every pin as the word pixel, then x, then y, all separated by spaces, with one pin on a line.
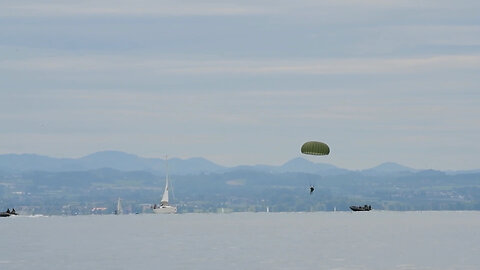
pixel 315 148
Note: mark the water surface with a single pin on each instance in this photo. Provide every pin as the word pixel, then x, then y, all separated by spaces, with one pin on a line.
pixel 319 240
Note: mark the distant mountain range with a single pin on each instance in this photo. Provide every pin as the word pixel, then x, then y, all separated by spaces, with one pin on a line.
pixel 67 186
pixel 129 162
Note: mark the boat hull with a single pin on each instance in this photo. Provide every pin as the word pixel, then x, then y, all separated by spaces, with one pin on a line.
pixel 165 210
pixel 360 208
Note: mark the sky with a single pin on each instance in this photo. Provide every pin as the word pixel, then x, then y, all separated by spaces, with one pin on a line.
pixel 244 82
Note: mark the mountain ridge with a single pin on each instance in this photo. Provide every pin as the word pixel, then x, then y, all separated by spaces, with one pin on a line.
pixel 196 165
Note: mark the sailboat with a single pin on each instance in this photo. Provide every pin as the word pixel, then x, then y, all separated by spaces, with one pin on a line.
pixel 164 207
pixel 119 210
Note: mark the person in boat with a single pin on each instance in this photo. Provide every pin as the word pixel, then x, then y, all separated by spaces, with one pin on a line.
pixel 13 211
pixel 8 211
pixel 312 189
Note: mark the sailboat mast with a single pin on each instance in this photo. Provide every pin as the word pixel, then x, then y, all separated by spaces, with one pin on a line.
pixel 165 193
pixel 119 210
pixel 166 170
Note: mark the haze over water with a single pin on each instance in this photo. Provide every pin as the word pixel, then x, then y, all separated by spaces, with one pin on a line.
pixel 319 240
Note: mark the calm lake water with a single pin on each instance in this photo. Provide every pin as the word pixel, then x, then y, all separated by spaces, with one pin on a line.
pixel 320 240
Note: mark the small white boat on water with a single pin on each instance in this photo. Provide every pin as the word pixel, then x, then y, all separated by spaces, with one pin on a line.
pixel 164 207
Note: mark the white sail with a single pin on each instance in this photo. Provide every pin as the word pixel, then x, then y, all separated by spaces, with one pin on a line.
pixel 164 200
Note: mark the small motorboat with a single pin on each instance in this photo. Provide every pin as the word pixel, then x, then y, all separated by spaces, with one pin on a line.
pixel 361 208
pixel 8 213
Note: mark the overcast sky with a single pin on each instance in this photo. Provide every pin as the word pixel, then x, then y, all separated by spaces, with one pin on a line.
pixel 244 82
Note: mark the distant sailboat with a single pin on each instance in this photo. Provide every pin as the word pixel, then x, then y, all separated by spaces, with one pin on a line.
pixel 164 207
pixel 119 210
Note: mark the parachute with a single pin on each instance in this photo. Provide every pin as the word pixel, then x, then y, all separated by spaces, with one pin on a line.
pixel 315 148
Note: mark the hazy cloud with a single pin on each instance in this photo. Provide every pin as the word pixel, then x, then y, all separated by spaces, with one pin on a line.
pixel 187 8
pixel 311 66
pixel 139 8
